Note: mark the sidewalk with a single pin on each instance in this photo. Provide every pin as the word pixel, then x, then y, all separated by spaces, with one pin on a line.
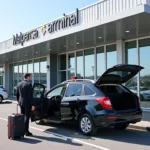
pixel 143 125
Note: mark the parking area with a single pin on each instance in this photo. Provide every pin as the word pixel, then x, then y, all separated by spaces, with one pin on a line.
pixel 67 136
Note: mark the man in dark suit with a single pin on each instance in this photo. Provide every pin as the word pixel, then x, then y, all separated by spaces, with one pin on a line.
pixel 25 100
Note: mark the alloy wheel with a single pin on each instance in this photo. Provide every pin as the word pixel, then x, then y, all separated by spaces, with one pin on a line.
pixel 86 125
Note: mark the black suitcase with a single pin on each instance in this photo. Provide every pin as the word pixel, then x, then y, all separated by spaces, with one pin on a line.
pixel 15 125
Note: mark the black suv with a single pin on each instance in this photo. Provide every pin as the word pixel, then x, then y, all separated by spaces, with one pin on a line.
pixel 103 103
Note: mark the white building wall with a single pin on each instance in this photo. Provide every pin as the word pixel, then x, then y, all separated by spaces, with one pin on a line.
pixel 120 50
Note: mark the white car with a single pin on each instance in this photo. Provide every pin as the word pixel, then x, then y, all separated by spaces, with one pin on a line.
pixel 3 94
pixel 144 92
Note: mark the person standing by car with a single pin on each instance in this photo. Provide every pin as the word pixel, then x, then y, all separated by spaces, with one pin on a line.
pixel 25 100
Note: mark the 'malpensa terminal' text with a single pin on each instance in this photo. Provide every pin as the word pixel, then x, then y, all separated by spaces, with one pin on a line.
pixel 65 22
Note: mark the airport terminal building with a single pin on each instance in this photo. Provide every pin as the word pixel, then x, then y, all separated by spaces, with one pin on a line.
pixel 83 43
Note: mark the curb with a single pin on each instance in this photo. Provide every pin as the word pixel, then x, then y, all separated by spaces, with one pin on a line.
pixel 10 101
pixel 139 128
pixel 146 109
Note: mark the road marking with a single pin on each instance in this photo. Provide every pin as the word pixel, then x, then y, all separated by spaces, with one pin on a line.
pixel 73 139
pixel 3 119
pixel 66 137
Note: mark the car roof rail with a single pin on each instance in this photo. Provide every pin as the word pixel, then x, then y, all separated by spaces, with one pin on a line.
pixel 79 80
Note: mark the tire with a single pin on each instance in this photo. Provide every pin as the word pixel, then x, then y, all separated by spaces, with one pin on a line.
pixel 1 99
pixel 121 126
pixel 86 125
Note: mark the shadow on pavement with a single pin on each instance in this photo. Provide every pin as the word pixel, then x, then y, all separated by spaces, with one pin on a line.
pixel 38 139
pixel 6 102
pixel 127 136
pixel 29 140
pixel 57 140
pixel 67 129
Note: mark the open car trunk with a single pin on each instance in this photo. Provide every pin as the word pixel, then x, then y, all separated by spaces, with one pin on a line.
pixel 121 99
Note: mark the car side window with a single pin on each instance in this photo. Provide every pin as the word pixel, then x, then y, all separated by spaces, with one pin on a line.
pixel 38 90
pixel 88 91
pixel 57 91
pixel 74 90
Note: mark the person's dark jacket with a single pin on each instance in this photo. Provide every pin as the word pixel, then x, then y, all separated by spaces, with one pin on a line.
pixel 25 94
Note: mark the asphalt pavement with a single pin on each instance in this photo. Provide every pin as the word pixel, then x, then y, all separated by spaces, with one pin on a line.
pixel 67 136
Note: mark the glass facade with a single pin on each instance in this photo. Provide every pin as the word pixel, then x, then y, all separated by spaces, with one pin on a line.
pixel 131 50
pixel 62 68
pixel 36 67
pixel 30 68
pixel 88 63
pixel 80 68
pixel 144 54
pixel 15 80
pixel 43 71
pixel 62 76
pixel 37 70
pixel 140 84
pixel 111 55
pixel 20 74
pixel 100 60
pixel 71 65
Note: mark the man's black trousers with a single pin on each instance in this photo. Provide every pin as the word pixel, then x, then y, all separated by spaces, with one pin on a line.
pixel 27 113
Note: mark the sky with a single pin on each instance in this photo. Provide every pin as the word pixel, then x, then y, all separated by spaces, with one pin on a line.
pixel 23 15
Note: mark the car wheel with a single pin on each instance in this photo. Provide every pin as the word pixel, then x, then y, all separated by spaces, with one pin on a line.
pixel 121 126
pixel 1 99
pixel 86 125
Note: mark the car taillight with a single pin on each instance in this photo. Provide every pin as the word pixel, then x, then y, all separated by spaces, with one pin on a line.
pixel 104 101
pixel 4 90
pixel 111 117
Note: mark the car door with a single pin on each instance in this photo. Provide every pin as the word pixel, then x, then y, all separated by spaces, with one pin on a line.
pixel 38 102
pixel 69 101
pixel 53 102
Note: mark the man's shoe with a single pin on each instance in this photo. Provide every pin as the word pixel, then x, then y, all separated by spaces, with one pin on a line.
pixel 28 134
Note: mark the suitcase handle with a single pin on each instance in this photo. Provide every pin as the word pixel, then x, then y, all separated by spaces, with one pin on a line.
pixel 17 109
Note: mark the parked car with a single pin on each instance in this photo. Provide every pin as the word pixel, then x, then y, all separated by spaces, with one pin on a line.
pixel 144 93
pixel 90 104
pixel 3 94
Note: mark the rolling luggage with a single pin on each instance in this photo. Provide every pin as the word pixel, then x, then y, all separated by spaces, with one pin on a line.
pixel 15 125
